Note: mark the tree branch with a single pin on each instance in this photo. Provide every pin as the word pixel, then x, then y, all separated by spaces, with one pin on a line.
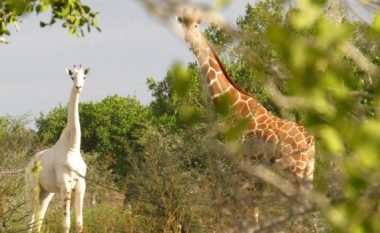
pixel 166 11
pixel 362 61
pixel 12 172
pixel 286 102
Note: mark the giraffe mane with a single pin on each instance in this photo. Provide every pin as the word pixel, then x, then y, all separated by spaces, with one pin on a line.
pixel 223 68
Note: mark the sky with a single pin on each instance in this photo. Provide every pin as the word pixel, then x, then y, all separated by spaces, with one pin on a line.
pixel 131 47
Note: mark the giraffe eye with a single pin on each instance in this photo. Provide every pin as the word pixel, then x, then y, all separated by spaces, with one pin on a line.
pixel 72 78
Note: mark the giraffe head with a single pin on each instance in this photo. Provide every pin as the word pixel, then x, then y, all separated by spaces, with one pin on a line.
pixel 78 75
pixel 189 21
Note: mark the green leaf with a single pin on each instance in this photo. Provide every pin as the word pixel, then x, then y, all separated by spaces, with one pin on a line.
pixel 376 23
pixel 72 30
pixel 235 130
pixel 219 4
pixel 332 140
pixel 305 16
pixel 179 78
pixel 188 114
pixel 65 12
pixel 43 24
pixel 42 8
pixel 223 105
pixel 95 20
pixel 86 9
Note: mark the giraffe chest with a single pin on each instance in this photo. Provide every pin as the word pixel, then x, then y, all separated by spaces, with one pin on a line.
pixel 76 164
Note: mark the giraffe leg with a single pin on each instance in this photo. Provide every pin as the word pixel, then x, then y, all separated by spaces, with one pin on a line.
pixel 255 214
pixel 45 199
pixel 66 200
pixel 309 173
pixel 78 204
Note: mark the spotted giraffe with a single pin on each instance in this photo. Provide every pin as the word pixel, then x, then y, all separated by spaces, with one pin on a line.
pixel 296 146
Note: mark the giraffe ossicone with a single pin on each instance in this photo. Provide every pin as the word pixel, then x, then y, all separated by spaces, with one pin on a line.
pixel 61 168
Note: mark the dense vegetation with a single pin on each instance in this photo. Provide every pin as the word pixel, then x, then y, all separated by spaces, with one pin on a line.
pixel 174 165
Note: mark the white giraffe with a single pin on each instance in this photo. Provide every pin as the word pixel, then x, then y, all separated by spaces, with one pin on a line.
pixel 62 167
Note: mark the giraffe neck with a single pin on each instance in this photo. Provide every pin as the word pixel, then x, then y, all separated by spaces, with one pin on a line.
pixel 217 79
pixel 72 131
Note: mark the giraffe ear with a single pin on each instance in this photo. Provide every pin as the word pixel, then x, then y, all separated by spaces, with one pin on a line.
pixel 86 71
pixel 69 72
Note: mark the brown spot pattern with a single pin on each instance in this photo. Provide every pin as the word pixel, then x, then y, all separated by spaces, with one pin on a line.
pixel 296 145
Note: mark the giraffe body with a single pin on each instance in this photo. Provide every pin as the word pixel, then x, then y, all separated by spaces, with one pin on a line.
pixel 62 168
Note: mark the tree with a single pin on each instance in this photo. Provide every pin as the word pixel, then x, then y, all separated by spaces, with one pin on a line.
pixel 72 13
pixel 179 100
pixel 17 143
